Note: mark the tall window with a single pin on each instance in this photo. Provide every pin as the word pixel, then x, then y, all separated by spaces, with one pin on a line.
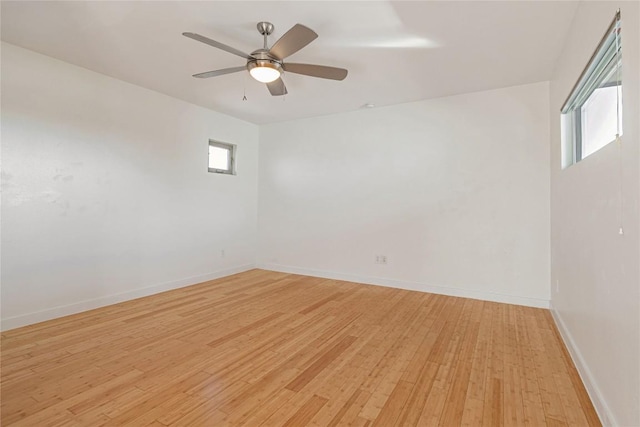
pixel 592 114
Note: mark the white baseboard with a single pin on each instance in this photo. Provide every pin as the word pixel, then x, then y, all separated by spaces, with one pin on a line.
pixel 412 286
pixel 90 304
pixel 603 410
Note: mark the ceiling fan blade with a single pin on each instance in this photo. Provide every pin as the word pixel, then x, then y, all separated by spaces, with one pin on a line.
pixel 219 45
pixel 219 72
pixel 277 87
pixel 321 71
pixel 292 41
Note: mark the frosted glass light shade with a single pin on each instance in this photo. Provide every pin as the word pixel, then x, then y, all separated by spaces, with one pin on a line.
pixel 264 74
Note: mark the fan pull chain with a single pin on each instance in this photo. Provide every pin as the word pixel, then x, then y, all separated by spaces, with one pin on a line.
pixel 244 88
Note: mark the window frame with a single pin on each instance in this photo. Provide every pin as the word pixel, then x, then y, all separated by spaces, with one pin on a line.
pixel 231 148
pixel 592 77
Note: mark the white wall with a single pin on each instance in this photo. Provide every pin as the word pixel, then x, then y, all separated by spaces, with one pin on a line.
pixel 454 191
pixel 594 270
pixel 106 194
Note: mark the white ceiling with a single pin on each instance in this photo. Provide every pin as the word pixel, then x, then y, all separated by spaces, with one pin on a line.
pixel 395 51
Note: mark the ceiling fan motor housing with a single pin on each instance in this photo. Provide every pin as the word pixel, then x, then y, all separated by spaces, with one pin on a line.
pixel 261 58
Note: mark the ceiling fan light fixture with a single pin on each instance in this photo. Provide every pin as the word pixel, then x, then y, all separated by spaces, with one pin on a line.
pixel 264 71
pixel 265 74
pixel 266 65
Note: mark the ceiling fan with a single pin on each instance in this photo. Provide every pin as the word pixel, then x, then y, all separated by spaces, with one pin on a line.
pixel 266 65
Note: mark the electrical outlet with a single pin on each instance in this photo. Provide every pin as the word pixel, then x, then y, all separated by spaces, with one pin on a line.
pixel 381 259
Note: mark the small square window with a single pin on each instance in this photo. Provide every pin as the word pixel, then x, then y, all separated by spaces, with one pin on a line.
pixel 222 157
pixel 592 114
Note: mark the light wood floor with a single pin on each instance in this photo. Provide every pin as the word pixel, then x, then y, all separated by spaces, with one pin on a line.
pixel 265 348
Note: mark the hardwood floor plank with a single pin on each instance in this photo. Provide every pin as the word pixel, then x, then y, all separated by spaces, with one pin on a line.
pixel 414 408
pixel 257 416
pixel 544 370
pixel 394 404
pixel 454 407
pixel 532 402
pixel 306 412
pixel 493 413
pixel 343 410
pixel 267 348
pixel 308 374
pixel 513 401
pixel 320 303
pixel 244 329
